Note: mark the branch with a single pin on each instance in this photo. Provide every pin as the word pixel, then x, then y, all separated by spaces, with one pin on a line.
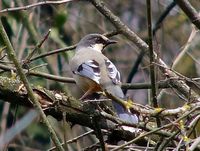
pixel 149 111
pixel 33 33
pixel 161 84
pixel 134 69
pixel 34 5
pixel 40 74
pixel 77 112
pixel 154 101
pixel 12 56
pixel 38 46
pixel 185 115
pixel 9 91
pixel 54 52
pixel 151 55
pixel 163 16
pixel 121 27
pixel 108 34
pixel 180 85
pixel 141 54
pixel 74 139
pixel 190 11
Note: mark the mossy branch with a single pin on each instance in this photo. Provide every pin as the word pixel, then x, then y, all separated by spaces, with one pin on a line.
pixel 12 57
pixel 77 112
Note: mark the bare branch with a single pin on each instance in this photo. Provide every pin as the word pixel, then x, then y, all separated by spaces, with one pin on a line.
pixel 35 5
pixel 180 85
pixel 108 34
pixel 77 112
pixel 38 45
pixel 190 11
pixel 151 55
pixel 161 84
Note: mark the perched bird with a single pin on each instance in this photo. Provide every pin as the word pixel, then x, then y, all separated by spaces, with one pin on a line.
pixel 94 72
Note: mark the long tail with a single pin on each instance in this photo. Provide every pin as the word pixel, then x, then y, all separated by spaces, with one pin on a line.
pixel 122 113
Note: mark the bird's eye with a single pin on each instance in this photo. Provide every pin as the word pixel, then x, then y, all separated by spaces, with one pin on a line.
pixel 98 40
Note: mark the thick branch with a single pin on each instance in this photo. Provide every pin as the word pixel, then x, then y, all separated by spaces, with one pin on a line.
pixel 190 11
pixel 77 112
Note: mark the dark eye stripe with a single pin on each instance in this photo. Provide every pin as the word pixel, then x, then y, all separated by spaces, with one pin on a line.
pixel 100 40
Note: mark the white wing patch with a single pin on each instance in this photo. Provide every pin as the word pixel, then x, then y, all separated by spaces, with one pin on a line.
pixel 89 69
pixel 113 73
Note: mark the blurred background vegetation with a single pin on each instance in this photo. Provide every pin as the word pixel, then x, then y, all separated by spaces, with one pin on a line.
pixel 71 21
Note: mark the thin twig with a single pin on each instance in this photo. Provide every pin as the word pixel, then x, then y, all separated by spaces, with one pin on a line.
pixel 39 66
pixel 53 52
pixel 167 141
pixel 38 45
pixel 108 34
pixel 156 129
pixel 111 33
pixel 161 84
pixel 3 56
pixel 163 16
pixel 153 112
pixel 34 5
pixel 134 69
pixel 33 33
pixel 65 131
pixel 74 139
pixel 41 74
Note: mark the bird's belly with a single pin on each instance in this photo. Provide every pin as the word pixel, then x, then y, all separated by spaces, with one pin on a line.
pixel 85 84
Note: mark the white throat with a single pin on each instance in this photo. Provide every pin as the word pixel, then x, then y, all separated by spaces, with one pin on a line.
pixel 97 47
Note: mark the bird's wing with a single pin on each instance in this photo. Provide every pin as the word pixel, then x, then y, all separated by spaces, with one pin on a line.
pixel 113 73
pixel 89 69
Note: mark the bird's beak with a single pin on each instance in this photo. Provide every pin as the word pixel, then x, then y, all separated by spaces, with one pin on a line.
pixel 110 42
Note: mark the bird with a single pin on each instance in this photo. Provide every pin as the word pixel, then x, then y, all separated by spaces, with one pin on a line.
pixel 94 72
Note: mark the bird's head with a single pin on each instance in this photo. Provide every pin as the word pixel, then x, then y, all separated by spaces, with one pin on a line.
pixel 95 41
